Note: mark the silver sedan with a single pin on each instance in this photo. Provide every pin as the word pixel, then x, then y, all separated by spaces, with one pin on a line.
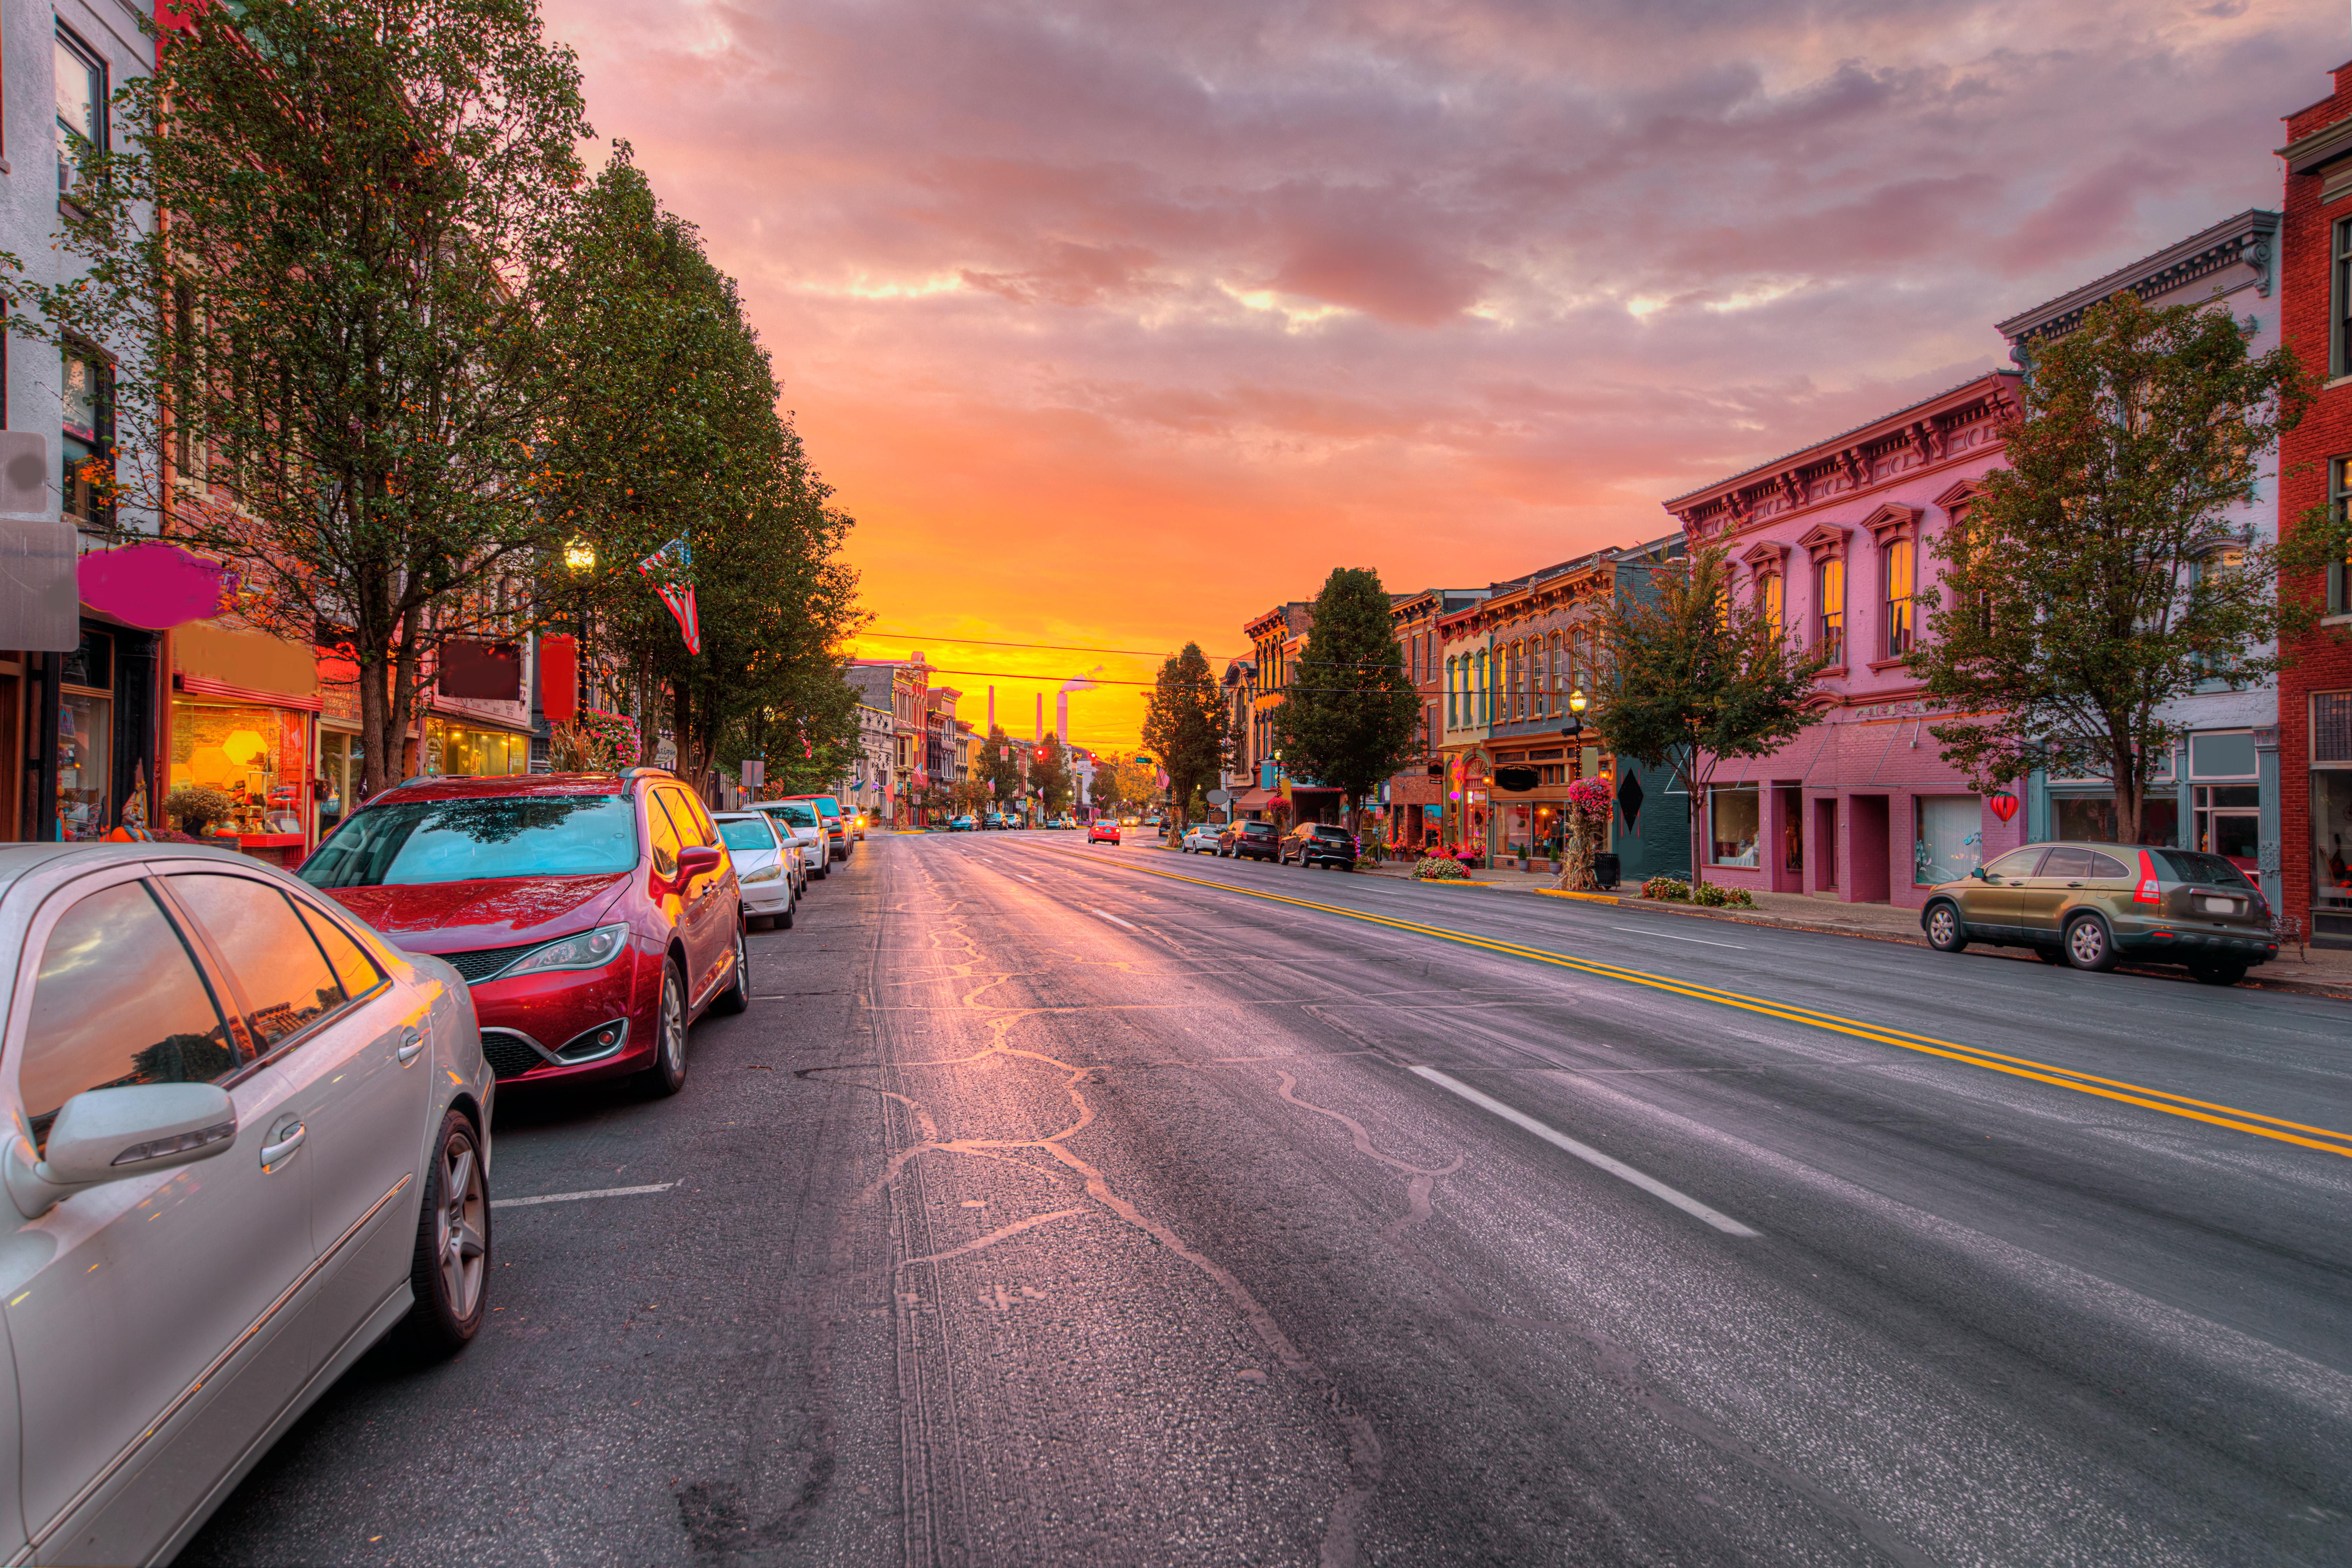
pixel 249 1138
pixel 1200 839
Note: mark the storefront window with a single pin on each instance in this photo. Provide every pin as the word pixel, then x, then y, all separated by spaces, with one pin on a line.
pixel 85 763
pixel 1735 822
pixel 1948 838
pixel 2092 818
pixel 474 753
pixel 342 772
pixel 255 756
pixel 2331 801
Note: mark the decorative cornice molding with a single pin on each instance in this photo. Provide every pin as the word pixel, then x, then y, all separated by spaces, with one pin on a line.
pixel 2251 237
pixel 1894 520
pixel 1824 541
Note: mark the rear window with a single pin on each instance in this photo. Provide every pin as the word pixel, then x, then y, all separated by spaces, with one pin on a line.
pixel 1324 831
pixel 1256 830
pixel 747 833
pixel 403 843
pixel 2195 866
pixel 795 812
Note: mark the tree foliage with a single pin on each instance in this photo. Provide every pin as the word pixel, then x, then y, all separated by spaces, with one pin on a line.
pixel 1351 716
pixel 346 315
pixel 1690 677
pixel 999 767
pixel 1185 724
pixel 2096 579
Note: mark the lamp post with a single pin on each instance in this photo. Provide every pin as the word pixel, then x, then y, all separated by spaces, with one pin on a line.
pixel 579 560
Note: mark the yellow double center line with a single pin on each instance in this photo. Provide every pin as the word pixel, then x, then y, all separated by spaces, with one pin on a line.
pixel 2171 1104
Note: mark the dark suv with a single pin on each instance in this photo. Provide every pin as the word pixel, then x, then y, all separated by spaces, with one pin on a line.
pixel 1319 843
pixel 1251 839
pixel 593 916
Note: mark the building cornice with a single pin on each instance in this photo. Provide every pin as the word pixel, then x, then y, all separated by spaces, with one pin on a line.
pixel 2251 237
pixel 1955 427
pixel 2325 145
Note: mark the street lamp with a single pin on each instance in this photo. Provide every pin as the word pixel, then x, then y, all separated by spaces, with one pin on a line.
pixel 1577 704
pixel 579 555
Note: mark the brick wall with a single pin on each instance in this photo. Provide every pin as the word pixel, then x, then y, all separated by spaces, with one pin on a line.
pixel 2323 660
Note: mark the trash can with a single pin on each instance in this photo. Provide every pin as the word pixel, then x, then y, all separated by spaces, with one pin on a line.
pixel 1606 872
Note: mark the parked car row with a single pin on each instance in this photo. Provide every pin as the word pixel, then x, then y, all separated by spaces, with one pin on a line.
pixel 329 1046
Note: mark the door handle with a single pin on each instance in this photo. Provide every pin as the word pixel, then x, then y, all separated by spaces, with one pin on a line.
pixel 289 1141
pixel 411 1043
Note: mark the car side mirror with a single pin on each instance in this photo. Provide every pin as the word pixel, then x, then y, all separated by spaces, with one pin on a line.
pixel 1980 873
pixel 696 860
pixel 106 1134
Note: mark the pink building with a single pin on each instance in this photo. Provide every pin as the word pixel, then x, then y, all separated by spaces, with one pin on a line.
pixel 1861 807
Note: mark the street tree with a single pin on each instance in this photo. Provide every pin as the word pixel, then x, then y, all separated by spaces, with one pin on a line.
pixel 667 429
pixel 1351 716
pixel 1000 766
pixel 1691 677
pixel 2096 578
pixel 345 318
pixel 1049 776
pixel 1185 724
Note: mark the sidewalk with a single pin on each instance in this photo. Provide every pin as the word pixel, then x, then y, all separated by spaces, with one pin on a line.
pixel 2318 971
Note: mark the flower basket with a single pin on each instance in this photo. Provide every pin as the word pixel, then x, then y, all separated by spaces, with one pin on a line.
pixel 1439 868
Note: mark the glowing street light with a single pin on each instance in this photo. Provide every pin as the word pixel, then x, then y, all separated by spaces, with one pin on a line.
pixel 579 555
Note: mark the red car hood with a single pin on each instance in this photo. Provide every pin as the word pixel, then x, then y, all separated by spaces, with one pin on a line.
pixel 459 916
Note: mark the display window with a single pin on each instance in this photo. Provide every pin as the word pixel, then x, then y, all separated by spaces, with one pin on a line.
pixel 257 757
pixel 2331 802
pixel 1735 824
pixel 1947 840
pixel 474 753
pixel 2091 818
pixel 342 774
pixel 86 739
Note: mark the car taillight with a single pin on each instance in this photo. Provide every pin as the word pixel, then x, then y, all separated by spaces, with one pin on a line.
pixel 2147 891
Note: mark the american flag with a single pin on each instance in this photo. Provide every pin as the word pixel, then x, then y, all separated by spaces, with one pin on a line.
pixel 670 567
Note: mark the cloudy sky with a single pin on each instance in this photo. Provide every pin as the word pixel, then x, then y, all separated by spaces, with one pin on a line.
pixel 1117 324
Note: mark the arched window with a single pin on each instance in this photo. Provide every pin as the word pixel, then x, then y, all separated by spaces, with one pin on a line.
pixel 1558 692
pixel 1897 576
pixel 1828 609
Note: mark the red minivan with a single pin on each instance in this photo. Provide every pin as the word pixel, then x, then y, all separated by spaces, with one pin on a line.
pixel 593 916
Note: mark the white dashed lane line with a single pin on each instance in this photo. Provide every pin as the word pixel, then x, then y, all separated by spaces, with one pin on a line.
pixel 576 1197
pixel 1589 1154
pixel 1114 919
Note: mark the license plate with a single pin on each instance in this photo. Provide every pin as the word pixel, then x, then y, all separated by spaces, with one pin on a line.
pixel 2221 906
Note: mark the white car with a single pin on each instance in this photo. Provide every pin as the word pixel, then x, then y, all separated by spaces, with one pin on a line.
pixel 247 1137
pixel 764 865
pixel 797 820
pixel 1200 840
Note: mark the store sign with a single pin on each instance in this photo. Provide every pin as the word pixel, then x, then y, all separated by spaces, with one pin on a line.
pixel 154 585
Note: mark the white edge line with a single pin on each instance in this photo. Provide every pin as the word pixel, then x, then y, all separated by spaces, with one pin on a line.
pixel 575 1196
pixel 1114 919
pixel 1589 1154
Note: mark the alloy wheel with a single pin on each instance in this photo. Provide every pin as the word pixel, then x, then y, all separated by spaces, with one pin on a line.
pixel 461 1244
pixel 1942 926
pixel 2087 944
pixel 672 1030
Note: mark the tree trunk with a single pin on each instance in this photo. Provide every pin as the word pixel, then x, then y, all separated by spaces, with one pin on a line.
pixel 2129 797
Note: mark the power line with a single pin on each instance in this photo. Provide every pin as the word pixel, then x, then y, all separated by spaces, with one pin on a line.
pixel 1058 647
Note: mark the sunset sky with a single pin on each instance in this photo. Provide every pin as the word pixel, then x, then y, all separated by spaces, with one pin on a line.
pixel 1115 325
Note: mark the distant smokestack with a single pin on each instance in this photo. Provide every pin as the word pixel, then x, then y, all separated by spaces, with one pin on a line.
pixel 992 710
pixel 1039 735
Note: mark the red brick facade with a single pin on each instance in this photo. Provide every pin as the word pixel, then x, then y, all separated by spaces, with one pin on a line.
pixel 2323 660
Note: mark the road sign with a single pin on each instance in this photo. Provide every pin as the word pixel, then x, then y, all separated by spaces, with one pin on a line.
pixel 1220 797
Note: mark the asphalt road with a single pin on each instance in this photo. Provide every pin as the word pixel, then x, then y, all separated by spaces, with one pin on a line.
pixel 1058 1204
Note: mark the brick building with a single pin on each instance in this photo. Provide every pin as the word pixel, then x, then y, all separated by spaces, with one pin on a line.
pixel 2315 698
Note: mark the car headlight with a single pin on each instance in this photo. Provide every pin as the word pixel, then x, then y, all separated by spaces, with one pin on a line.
pixel 588 950
pixel 765 874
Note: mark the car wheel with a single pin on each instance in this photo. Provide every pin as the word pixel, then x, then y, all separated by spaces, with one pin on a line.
pixel 785 919
pixel 451 1271
pixel 2217 974
pixel 1945 932
pixel 738 994
pixel 666 1076
pixel 821 872
pixel 2089 944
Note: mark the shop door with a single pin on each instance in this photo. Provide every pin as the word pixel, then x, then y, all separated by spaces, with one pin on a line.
pixel 1825 839
pixel 1789 813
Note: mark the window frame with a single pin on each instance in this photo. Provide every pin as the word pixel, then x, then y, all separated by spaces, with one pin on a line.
pixel 100 136
pixel 2339 498
pixel 2339 315
pixel 224 976
pixel 51 906
pixel 1896 610
pixel 1829 611
pixel 100 443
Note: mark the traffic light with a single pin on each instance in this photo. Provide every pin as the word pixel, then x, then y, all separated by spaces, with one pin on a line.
pixel 1041 754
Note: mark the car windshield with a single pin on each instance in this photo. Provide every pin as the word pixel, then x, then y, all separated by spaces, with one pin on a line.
pixel 2195 866
pixel 793 811
pixel 402 842
pixel 747 833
